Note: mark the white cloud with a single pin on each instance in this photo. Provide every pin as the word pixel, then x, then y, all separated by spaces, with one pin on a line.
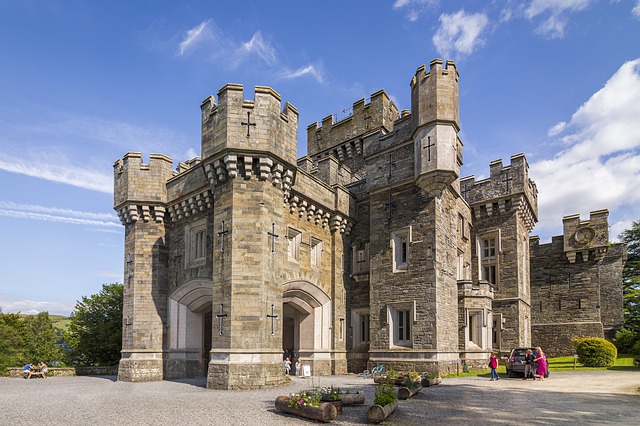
pixel 300 72
pixel 600 166
pixel 555 22
pixel 636 9
pixel 32 307
pixel 71 175
pixel 194 36
pixel 261 47
pixel 54 214
pixel 414 8
pixel 460 33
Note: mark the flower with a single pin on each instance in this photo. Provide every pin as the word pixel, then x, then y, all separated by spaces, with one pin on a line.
pixel 305 398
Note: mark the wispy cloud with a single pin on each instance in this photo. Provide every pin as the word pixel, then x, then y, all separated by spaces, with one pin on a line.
pixel 414 8
pixel 460 33
pixel 260 47
pixel 54 214
pixel 636 9
pixel 300 72
pixel 555 14
pixel 71 175
pixel 600 165
pixel 195 36
pixel 229 53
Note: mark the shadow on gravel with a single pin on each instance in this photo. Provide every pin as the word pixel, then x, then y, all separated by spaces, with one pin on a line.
pixel 199 382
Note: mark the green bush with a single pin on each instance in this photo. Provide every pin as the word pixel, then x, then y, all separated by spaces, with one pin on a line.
pixel 596 352
pixel 625 339
pixel 636 352
pixel 385 395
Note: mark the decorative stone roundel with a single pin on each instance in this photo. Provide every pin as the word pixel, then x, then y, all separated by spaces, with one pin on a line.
pixel 584 235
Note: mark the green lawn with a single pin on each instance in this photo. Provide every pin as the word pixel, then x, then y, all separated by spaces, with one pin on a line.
pixel 562 363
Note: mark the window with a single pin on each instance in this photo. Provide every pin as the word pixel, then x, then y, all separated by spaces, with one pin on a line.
pixel 400 244
pixel 488 248
pixel 360 321
pixel 196 243
pixel 401 318
pixel 341 331
pixel 497 327
pixel 475 328
pixel 360 256
pixel 462 232
pixel 316 252
pixel 294 237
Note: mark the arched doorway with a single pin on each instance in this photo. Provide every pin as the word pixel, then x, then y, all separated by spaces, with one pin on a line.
pixel 190 328
pixel 307 324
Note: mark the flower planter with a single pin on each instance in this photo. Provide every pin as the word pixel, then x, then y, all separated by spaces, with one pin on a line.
pixel 431 382
pixel 324 413
pixel 395 382
pixel 406 393
pixel 338 403
pixel 352 398
pixel 378 413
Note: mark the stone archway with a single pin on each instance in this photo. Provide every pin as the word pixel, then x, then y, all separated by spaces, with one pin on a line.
pixel 189 322
pixel 307 324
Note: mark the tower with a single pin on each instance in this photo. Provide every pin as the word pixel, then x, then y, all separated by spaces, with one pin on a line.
pixel 435 116
pixel 140 198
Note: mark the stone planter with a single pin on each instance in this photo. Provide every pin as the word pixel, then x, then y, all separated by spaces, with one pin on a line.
pixel 378 413
pixel 324 413
pixel 406 393
pixel 431 382
pixel 352 398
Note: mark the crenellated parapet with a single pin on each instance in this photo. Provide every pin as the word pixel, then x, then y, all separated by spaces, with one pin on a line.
pixel 249 125
pixel 434 95
pixel 140 190
pixel 586 238
pixel 340 137
pixel 507 188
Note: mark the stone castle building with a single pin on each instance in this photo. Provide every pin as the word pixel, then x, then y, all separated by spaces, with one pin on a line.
pixel 370 249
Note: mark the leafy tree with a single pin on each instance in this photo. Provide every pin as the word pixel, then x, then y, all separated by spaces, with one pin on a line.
pixel 11 342
pixel 631 277
pixel 95 328
pixel 40 341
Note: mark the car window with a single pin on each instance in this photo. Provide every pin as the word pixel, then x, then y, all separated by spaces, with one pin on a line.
pixel 519 352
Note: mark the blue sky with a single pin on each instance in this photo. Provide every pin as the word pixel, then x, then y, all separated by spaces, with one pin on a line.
pixel 82 83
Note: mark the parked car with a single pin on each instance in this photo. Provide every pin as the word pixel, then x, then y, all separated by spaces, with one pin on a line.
pixel 515 363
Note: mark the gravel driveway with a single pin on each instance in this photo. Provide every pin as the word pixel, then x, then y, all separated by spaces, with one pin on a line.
pixel 593 397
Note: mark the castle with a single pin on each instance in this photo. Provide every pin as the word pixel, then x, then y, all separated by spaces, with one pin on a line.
pixel 370 249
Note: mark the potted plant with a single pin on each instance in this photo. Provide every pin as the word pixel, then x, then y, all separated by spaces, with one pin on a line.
pixel 352 398
pixel 385 402
pixel 332 396
pixel 412 386
pixel 431 379
pixel 307 404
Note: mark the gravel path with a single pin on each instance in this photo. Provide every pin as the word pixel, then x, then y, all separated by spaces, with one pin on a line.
pixel 594 397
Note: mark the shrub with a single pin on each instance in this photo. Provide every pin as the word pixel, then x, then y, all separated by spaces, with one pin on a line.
pixel 385 395
pixel 596 352
pixel 625 339
pixel 392 374
pixel 636 352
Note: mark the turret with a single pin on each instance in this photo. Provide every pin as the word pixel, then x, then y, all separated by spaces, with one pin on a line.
pixel 435 125
pixel 249 125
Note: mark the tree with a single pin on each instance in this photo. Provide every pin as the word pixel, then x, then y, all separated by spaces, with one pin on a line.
pixel 631 277
pixel 40 340
pixel 95 328
pixel 11 342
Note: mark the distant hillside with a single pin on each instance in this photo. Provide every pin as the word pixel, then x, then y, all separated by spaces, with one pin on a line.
pixel 59 321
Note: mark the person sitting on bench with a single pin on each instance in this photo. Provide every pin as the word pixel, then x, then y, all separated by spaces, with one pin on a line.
pixel 26 371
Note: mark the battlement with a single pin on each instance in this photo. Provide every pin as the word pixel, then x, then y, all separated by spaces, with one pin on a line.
pixel 249 125
pixel 139 188
pixel 434 95
pixel 585 235
pixel 507 187
pixel 379 112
